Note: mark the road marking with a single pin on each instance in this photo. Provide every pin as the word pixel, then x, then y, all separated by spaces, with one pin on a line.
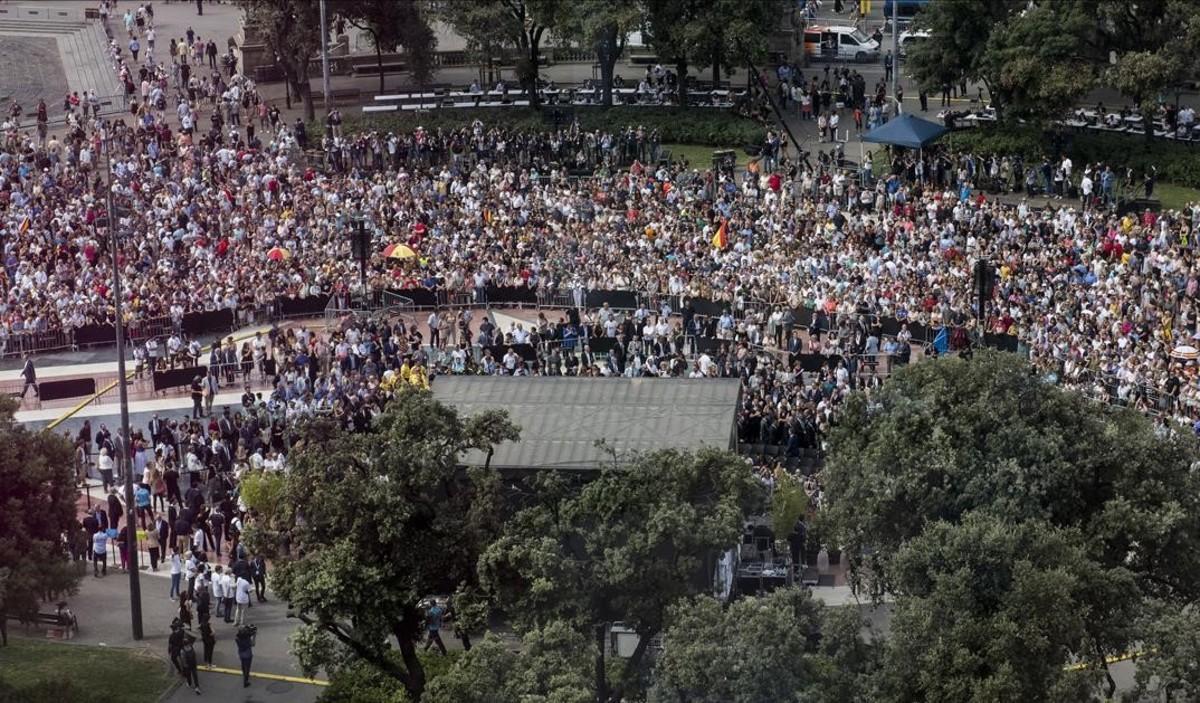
pixel 270 677
pixel 1107 660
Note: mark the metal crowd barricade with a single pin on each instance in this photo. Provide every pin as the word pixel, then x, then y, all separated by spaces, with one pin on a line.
pixel 141 330
pixel 31 342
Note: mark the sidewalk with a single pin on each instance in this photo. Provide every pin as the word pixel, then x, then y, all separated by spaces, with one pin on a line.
pixel 103 608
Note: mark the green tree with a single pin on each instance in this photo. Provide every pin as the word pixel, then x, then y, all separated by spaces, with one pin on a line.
pixel 476 23
pixel 958 31
pixel 551 666
pixel 759 649
pixel 392 24
pixel 291 29
pixel 784 646
pixel 1170 643
pixel 989 610
pixel 947 438
pixel 624 547
pixel 523 24
pixel 1039 59
pixel 709 32
pixel 603 25
pixel 1165 58
pixel 378 521
pixel 37 516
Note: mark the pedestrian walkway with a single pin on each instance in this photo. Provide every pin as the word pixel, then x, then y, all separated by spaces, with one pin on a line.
pixel 103 608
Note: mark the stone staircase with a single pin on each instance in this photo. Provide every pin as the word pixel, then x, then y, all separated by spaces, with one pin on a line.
pixel 81 46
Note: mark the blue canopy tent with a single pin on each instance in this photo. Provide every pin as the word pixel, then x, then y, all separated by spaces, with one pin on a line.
pixel 906 130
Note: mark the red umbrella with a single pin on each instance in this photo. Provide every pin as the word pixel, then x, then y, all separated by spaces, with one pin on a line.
pixel 278 254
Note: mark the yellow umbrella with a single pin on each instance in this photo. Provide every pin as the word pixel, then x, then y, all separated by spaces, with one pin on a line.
pixel 399 251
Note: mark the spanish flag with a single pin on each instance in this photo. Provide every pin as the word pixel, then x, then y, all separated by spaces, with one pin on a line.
pixel 720 240
pixel 24 227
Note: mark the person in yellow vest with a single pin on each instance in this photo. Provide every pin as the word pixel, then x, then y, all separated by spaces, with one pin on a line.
pixel 419 379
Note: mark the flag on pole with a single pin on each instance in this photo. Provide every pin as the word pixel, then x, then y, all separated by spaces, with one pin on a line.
pixel 720 240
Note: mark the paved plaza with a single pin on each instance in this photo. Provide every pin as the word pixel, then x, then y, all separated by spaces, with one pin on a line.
pixel 32 68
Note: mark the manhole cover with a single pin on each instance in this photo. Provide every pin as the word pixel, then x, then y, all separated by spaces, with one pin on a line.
pixel 279 687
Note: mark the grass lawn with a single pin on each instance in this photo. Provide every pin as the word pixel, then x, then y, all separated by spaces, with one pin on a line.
pixel 102 671
pixel 1175 197
pixel 700 156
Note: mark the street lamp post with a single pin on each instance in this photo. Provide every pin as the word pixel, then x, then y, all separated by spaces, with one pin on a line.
pixel 135 587
pixel 324 59
pixel 360 241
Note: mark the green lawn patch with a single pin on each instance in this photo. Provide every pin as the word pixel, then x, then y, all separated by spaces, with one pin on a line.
pixel 699 156
pixel 1177 162
pixel 1176 197
pixel 34 671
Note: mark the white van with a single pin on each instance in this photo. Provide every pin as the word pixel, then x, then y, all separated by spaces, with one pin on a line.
pixel 910 38
pixel 839 44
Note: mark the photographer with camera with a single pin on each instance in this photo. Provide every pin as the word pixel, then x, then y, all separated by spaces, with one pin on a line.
pixel 245 646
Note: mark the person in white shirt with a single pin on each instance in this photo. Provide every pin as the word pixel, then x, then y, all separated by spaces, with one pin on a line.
pixel 198 541
pixel 433 322
pixel 229 586
pixel 218 590
pixel 189 571
pixel 176 573
pixel 242 595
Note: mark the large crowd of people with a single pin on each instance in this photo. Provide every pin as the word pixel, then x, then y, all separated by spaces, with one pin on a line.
pixel 216 209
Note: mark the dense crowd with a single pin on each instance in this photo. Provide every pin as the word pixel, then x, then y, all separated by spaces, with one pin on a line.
pixel 208 183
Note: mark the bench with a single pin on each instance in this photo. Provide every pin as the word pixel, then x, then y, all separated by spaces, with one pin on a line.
pixel 338 94
pixel 380 108
pixel 61 623
pixel 374 69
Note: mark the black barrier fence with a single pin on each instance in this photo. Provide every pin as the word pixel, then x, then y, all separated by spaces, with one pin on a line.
pixel 615 299
pixel 89 335
pixel 224 320
pixel 510 295
pixel 311 306
pixel 1003 342
pixel 176 378
pixel 525 351
pixel 195 323
pixel 708 308
pixel 69 388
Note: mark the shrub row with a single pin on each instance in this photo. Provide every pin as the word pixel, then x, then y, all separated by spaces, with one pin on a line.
pixel 1177 163
pixel 705 126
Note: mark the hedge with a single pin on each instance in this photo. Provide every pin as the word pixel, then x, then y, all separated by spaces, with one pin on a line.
pixel 1177 163
pixel 705 126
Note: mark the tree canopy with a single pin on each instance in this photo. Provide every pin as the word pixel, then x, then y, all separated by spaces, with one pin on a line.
pixel 392 24
pixel 1038 59
pixel 756 650
pixel 37 515
pixel 1028 498
pixel 374 522
pixel 623 547
pixel 291 29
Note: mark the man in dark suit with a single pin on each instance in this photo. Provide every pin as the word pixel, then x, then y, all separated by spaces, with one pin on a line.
pixel 156 429
pixel 30 376
pixel 794 349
